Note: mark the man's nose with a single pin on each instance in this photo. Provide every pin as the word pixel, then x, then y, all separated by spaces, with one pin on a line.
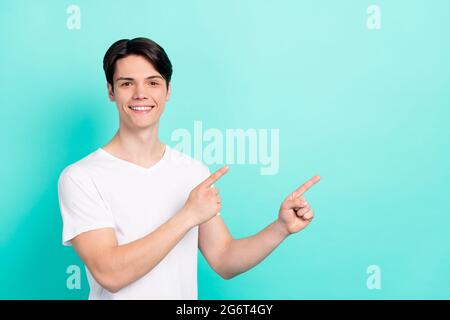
pixel 139 92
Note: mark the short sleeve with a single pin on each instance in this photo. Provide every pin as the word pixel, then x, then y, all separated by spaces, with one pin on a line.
pixel 81 205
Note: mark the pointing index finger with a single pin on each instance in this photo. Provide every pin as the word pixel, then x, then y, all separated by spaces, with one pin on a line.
pixel 304 187
pixel 214 177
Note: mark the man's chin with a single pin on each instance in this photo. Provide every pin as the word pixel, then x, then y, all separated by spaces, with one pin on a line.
pixel 138 126
pixel 143 126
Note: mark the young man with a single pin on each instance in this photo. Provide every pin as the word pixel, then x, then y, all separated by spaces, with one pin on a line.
pixel 136 210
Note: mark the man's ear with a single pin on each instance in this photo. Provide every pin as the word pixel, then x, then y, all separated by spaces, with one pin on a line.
pixel 111 93
pixel 168 92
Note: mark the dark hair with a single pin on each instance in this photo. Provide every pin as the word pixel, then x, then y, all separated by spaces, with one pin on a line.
pixel 144 47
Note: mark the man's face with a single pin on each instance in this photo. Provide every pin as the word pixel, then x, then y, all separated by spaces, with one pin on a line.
pixel 140 92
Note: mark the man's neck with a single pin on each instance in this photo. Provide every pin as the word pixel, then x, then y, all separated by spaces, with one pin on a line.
pixel 141 147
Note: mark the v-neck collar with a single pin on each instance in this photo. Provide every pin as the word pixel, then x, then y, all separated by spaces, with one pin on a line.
pixel 136 166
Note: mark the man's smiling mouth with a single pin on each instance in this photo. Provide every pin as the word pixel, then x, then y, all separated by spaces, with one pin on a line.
pixel 145 108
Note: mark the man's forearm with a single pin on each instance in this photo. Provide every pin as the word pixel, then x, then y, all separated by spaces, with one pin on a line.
pixel 131 261
pixel 243 254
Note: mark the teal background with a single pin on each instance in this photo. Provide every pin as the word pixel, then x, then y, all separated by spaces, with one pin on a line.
pixel 368 110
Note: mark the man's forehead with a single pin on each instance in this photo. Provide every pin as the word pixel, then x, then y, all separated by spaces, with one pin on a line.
pixel 134 66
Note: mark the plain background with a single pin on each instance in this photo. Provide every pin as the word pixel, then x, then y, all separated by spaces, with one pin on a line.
pixel 368 110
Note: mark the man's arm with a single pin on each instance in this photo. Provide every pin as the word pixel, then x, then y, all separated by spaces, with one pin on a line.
pixel 114 266
pixel 229 257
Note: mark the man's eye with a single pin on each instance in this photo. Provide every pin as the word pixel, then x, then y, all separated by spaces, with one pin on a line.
pixel 153 83
pixel 126 84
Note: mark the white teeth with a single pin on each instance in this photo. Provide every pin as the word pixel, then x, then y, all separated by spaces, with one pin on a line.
pixel 141 108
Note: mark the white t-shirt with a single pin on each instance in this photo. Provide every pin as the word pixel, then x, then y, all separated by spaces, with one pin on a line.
pixel 102 190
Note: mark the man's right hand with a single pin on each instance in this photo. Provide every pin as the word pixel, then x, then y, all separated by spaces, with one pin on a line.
pixel 204 201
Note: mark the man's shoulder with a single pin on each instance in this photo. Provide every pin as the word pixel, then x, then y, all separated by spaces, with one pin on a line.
pixel 80 168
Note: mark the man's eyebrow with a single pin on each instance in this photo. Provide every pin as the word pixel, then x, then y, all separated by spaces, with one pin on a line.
pixel 132 79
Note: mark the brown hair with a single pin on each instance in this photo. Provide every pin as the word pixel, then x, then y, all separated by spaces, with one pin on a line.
pixel 144 47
